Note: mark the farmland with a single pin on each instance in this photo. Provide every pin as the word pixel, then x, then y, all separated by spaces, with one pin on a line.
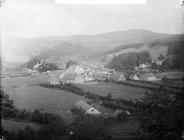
pixel 14 125
pixel 28 95
pixel 117 91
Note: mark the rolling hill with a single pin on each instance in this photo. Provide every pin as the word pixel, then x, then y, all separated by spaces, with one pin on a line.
pixel 107 41
pixel 84 46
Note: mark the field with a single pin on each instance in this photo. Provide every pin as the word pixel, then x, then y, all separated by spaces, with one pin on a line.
pixel 117 91
pixel 28 95
pixel 14 125
pixel 171 75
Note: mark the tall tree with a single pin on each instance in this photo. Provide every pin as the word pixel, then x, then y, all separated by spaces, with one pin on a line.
pixel 69 63
pixel 161 115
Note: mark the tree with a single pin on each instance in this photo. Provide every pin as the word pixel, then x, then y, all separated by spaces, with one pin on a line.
pixel 160 114
pixel 154 65
pixel 33 61
pixel 161 57
pixel 69 63
pixel 7 105
pixel 128 61
pixel 109 96
pixel 88 127
pixel 47 67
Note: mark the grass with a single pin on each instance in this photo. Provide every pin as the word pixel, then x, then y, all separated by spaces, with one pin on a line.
pixel 171 74
pixel 123 130
pixel 117 91
pixel 27 94
pixel 15 125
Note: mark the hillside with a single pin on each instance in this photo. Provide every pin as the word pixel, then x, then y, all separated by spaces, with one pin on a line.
pixel 108 41
pixel 61 51
pixel 56 48
pixel 155 47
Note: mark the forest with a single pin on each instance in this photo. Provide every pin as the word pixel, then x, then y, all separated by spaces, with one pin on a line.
pixel 126 62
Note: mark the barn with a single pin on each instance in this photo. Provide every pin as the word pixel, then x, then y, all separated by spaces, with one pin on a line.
pixel 84 106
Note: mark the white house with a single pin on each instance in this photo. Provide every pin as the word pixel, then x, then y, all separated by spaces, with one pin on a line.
pixel 79 69
pixel 54 76
pixel 37 65
pixel 148 77
pixel 134 77
pixel 76 68
pixel 83 105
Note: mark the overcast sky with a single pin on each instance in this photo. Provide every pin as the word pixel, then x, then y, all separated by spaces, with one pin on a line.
pixel 32 18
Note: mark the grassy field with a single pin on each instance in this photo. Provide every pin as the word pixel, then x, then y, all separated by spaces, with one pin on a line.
pixel 171 75
pixel 117 91
pixel 28 95
pixel 14 125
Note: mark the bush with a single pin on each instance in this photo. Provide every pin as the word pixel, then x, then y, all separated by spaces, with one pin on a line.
pixel 123 116
pixel 88 127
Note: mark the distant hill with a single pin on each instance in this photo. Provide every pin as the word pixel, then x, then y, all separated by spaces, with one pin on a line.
pixel 108 41
pixel 84 46
pixel 155 47
pixel 62 49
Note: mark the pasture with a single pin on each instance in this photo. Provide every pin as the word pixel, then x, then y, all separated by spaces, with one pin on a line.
pixel 171 74
pixel 117 90
pixel 27 94
pixel 15 125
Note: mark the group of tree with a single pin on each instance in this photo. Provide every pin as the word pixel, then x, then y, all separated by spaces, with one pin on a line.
pixel 88 127
pixel 156 66
pixel 44 66
pixel 122 47
pixel 32 62
pixel 175 56
pixel 128 61
pixel 71 62
pixel 161 115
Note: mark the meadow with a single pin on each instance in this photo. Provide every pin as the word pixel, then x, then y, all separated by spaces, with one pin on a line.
pixel 171 74
pixel 27 94
pixel 15 125
pixel 116 90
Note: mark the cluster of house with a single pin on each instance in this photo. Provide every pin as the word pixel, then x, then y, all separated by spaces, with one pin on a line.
pixel 145 77
pixel 147 67
pixel 74 74
pixel 79 74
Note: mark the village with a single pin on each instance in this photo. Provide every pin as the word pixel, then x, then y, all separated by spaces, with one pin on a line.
pixel 87 73
pixel 90 72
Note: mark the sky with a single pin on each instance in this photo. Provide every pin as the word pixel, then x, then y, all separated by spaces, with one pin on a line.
pixel 35 18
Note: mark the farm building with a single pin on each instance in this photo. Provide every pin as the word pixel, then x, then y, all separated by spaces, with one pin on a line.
pixel 83 105
pixel 54 76
pixel 76 68
pixel 134 77
pixel 148 77
pixel 72 77
pixel 118 76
